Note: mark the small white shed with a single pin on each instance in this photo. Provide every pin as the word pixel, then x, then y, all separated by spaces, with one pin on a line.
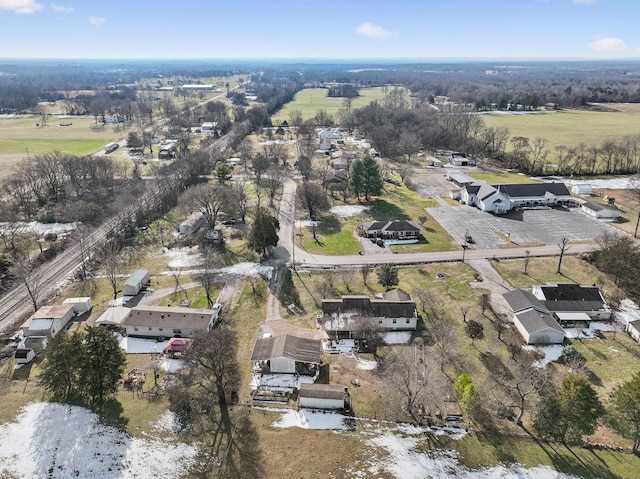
pixel 24 355
pixel 582 189
pixel 322 396
pixel 80 305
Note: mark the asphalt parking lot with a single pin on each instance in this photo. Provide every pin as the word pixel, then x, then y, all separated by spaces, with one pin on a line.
pixel 546 226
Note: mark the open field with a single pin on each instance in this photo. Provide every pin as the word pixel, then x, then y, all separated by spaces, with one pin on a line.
pixel 495 178
pixel 312 100
pixel 571 127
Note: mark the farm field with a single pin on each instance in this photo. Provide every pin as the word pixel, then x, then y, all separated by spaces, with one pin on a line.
pixel 312 100
pixel 571 127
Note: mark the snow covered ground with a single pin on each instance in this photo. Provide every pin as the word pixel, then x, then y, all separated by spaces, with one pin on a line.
pixel 307 419
pixel 347 211
pixel 186 257
pixel 397 337
pixel 628 311
pixel 38 228
pixel 55 441
pixel 551 352
pixel 141 345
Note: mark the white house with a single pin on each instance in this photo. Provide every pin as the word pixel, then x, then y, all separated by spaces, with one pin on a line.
pixel 135 282
pixel 600 211
pixel 169 321
pixel 48 320
pixel 532 320
pixel 502 198
pixel 286 354
pixel 323 396
pixel 350 315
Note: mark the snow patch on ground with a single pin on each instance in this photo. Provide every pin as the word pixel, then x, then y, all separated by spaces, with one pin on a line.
pixel 248 269
pixel 551 353
pixel 628 311
pixel 406 461
pixel 307 419
pixel 168 422
pixel 38 228
pixel 141 345
pixel 66 442
pixel 172 365
pixel 347 211
pixel 397 337
pixel 367 365
pixel 186 257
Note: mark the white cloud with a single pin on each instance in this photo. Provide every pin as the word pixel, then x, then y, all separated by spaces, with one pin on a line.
pixel 61 9
pixel 609 44
pixel 20 6
pixel 585 2
pixel 369 30
pixel 97 21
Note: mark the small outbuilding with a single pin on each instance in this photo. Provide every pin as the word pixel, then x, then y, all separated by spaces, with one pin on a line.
pixel 48 320
pixel 80 305
pixel 323 396
pixel 600 211
pixel 24 355
pixel 113 317
pixel 633 328
pixel 582 189
pixel 135 282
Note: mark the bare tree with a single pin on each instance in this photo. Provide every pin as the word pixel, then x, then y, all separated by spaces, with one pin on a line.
pixel 24 270
pixel 527 258
pixel 365 271
pixel 405 375
pixel 314 199
pixel 113 263
pixel 347 274
pixel 209 199
pixel 208 276
pixel 563 245
pixel 526 381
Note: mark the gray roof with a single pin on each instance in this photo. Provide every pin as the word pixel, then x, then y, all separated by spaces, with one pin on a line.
pixel 570 292
pixel 169 317
pixel 137 277
pixel 460 178
pixel 574 305
pixel 472 189
pixel 534 321
pixel 365 306
pixel 396 295
pixel 292 347
pixel 519 300
pixel 114 315
pixel 592 205
pixel 534 189
pixel 322 391
pixel 392 225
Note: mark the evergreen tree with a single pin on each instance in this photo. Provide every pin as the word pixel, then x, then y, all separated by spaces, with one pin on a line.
pixel 264 231
pixel 365 178
pixel 571 413
pixel 624 410
pixel 61 366
pixel 388 276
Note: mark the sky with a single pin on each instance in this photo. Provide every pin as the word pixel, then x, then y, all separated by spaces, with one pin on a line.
pixel 320 29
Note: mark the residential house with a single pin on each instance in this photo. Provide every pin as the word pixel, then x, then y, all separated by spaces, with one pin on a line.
pixel 323 396
pixel 391 230
pixel 350 315
pixel 567 300
pixel 48 320
pixel 135 282
pixel 286 354
pixel 600 211
pixel 169 321
pixel 532 320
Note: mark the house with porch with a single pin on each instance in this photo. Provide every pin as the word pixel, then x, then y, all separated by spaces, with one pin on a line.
pixel 391 230
pixel 160 322
pixel 286 354
pixel 349 316
pixel 571 302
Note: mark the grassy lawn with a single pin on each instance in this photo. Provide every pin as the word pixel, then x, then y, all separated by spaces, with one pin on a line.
pixel 335 235
pixel 312 100
pixel 572 127
pixel 500 178
pixel 543 270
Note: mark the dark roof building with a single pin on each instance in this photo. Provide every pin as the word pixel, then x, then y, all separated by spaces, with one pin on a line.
pixel 287 346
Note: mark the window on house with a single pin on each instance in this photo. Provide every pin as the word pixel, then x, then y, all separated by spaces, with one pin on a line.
pixel 159 329
pixel 177 331
pixel 394 320
pixel 407 321
pixel 149 329
pixel 135 329
pixel 380 321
